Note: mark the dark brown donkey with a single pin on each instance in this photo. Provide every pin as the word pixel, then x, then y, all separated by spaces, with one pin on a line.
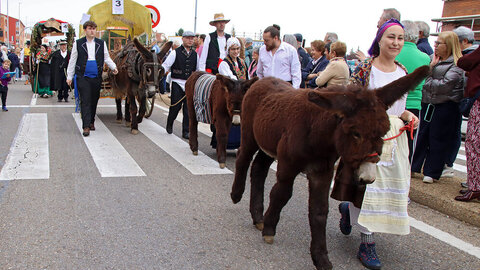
pixel 307 131
pixel 225 102
pixel 139 74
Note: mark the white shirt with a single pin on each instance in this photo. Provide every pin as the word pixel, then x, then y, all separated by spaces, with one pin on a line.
pixel 225 70
pixel 91 56
pixel 222 45
pixel 168 64
pixel 284 64
pixel 379 79
pixel 64 54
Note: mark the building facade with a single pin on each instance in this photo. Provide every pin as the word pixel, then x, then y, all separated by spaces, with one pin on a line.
pixel 16 31
pixel 460 13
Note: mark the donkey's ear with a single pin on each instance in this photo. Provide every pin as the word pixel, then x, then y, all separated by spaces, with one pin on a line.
pixel 224 81
pixel 338 103
pixel 165 48
pixel 396 89
pixel 144 52
pixel 246 84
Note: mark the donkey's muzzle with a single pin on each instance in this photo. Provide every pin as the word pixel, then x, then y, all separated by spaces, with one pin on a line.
pixel 367 172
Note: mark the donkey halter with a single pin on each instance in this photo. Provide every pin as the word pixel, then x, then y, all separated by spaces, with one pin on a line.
pixel 156 65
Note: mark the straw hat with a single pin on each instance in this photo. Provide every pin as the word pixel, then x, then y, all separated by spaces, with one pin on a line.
pixel 218 17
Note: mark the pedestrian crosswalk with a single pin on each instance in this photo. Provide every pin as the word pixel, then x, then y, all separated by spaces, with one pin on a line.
pixel 29 156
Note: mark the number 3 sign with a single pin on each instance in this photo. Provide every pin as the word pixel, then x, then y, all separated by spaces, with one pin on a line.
pixel 117 7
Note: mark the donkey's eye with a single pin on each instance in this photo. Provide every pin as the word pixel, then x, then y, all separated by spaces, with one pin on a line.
pixel 356 135
pixel 149 72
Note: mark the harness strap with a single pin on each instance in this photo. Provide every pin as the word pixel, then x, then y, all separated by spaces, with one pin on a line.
pixel 408 127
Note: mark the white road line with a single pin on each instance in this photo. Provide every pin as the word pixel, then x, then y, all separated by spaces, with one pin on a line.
pixel 56 106
pixel 180 150
pixel 459 167
pixel 462 157
pixel 445 237
pixel 34 100
pixel 202 127
pixel 462 147
pixel 29 155
pixel 111 159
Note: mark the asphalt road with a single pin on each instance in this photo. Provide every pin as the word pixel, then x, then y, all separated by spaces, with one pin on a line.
pixel 79 217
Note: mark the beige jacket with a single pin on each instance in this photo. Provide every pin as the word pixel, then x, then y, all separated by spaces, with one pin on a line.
pixel 336 73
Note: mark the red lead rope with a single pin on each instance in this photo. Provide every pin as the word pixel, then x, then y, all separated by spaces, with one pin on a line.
pixel 408 127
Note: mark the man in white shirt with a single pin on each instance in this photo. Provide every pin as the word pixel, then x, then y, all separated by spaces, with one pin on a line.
pixel 181 63
pixel 214 46
pixel 88 56
pixel 278 59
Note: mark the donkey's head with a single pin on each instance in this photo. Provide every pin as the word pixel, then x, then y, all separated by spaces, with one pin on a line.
pixel 234 93
pixel 151 69
pixel 363 120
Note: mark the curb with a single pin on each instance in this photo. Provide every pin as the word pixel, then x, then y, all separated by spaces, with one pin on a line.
pixel 440 196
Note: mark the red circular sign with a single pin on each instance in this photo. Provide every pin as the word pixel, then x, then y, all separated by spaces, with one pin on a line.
pixel 155 15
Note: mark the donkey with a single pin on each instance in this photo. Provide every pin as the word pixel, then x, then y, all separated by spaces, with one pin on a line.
pixel 139 75
pixel 223 108
pixel 307 131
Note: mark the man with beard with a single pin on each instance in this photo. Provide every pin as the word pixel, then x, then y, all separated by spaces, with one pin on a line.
pixel 58 66
pixel 214 45
pixel 285 65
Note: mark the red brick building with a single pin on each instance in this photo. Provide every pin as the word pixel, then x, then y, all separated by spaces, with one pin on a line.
pixel 460 13
pixel 16 31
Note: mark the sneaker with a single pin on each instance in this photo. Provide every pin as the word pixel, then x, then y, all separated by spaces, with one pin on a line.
pixel 427 179
pixel 345 226
pixel 447 172
pixel 4 108
pixel 368 256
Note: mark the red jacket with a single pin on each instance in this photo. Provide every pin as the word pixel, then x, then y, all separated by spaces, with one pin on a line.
pixel 471 64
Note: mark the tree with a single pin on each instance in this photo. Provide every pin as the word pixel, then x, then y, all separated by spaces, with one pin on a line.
pixel 180 32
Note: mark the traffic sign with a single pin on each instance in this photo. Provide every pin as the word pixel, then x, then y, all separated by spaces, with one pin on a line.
pixel 155 15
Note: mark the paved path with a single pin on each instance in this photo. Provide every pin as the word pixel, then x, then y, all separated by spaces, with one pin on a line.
pixel 77 209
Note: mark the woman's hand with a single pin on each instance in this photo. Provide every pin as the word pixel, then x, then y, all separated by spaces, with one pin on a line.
pixel 408 116
pixel 435 60
pixel 311 76
pixel 8 75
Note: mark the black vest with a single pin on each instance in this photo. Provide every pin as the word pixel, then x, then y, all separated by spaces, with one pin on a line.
pixel 184 65
pixel 83 56
pixel 214 52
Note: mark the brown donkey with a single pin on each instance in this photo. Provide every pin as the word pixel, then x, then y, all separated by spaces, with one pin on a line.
pixel 307 131
pixel 225 103
pixel 138 74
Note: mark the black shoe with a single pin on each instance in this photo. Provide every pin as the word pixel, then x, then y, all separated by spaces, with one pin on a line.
pixel 66 100
pixel 169 129
pixel 185 135
pixel 59 100
pixel 86 132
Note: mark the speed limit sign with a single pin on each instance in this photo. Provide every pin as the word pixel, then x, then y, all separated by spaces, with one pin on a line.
pixel 155 15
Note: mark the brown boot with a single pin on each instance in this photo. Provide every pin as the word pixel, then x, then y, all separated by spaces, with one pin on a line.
pixel 92 127
pixel 468 196
pixel 86 132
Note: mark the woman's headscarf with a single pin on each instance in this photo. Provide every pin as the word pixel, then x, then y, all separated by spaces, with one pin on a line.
pixel 232 41
pixel 375 48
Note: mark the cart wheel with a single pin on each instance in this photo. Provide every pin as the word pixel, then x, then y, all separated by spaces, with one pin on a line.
pixel 149 106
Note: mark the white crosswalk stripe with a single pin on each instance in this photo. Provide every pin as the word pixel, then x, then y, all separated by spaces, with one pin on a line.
pixel 111 158
pixel 29 155
pixel 180 150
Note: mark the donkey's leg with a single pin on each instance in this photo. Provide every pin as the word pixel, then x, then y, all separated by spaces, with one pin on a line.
pixel 222 127
pixel 118 102
pixel 258 173
pixel 279 196
pixel 142 109
pixel 319 187
pixel 133 113
pixel 128 117
pixel 192 125
pixel 245 154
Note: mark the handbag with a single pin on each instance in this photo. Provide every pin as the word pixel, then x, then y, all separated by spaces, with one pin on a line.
pixel 466 104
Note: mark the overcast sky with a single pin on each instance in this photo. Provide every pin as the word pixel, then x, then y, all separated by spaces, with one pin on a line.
pixel 354 21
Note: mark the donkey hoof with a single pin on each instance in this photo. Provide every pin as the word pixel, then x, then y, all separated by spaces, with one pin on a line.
pixel 222 165
pixel 259 227
pixel 195 153
pixel 128 123
pixel 119 121
pixel 268 239
pixel 134 131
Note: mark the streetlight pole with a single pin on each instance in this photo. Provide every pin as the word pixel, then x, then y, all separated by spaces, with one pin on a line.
pixel 195 23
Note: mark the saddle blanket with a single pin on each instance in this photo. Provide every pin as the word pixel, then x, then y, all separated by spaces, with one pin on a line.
pixel 201 95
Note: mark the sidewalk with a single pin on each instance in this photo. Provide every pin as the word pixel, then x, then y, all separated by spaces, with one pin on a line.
pixel 440 196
